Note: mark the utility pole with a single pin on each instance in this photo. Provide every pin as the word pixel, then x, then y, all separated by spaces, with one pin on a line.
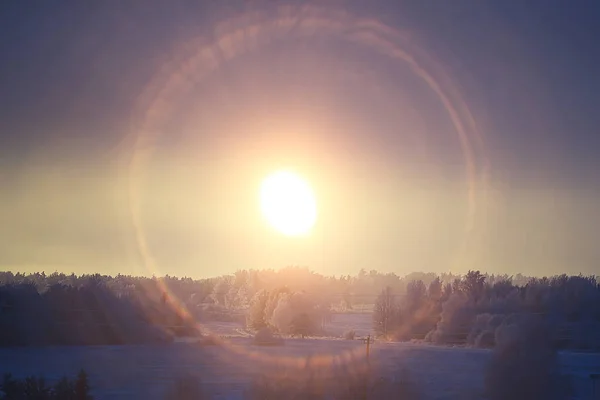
pixel 365 389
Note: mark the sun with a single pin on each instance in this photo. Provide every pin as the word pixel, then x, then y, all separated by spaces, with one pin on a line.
pixel 288 203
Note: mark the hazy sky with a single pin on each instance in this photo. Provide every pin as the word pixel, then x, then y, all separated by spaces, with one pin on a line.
pixel 157 120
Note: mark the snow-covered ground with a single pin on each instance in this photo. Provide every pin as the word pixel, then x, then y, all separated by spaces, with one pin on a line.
pixel 145 372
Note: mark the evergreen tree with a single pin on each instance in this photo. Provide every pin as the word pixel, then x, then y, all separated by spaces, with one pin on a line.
pixel 82 387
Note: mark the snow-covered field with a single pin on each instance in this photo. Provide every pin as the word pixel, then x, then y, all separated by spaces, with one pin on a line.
pixel 145 372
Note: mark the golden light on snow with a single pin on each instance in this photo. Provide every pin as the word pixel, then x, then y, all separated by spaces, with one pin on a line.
pixel 288 203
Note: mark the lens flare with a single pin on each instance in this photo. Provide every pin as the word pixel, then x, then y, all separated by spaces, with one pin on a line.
pixel 198 58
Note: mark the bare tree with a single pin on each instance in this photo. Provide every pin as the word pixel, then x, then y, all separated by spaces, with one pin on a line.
pixel 384 313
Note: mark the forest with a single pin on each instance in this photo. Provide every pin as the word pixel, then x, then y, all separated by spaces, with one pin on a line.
pixel 473 309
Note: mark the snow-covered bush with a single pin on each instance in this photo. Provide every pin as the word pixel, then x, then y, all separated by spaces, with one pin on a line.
pixel 265 337
pixel 295 313
pixel 455 320
pixel 480 325
pixel 283 314
pixel 483 330
pixel 486 339
pixel 350 334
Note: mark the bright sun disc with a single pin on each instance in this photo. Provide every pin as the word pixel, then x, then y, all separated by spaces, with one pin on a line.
pixel 288 203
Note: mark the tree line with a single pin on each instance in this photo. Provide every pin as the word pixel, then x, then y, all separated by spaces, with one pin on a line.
pixel 475 311
pixel 87 310
pixel 99 309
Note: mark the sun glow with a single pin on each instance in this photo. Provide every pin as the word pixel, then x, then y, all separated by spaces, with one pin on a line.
pixel 288 203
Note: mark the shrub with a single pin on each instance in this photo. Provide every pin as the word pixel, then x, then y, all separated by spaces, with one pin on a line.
pixel 486 339
pixel 495 321
pixel 350 335
pixel 265 337
pixel 483 330
pixel 296 313
pixel 302 325
pixel 480 325
pixel 455 320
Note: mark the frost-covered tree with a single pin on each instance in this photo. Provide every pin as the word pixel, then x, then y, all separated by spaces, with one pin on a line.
pixel 473 284
pixel 221 290
pixel 415 295
pixel 385 313
pixel 296 313
pixel 455 320
pixel 434 290
pixel 255 317
pixel 302 324
pixel 446 291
